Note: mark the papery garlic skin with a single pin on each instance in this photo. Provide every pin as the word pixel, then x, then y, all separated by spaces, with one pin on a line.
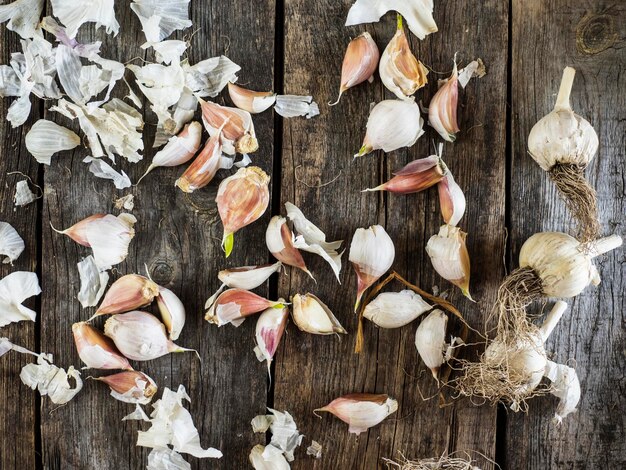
pixel 46 138
pixel 233 305
pixel 261 459
pixel 172 312
pixel 359 63
pixel 430 340
pixel 129 292
pixel 392 124
pixel 395 309
pixel 23 16
pixel 448 254
pixel 96 350
pixel 15 288
pixel 11 244
pixel 565 386
pixel 311 315
pixel 270 327
pixel 451 200
pixel 131 387
pixel 238 129
pixel 252 101
pixel 361 411
pixel 442 110
pixel 371 253
pixel 280 242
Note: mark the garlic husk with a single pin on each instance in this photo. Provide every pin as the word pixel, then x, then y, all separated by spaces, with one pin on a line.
pixel 129 292
pixel 96 350
pixel 252 101
pixel 451 200
pixel 109 238
pixel 78 231
pixel 46 138
pixel 449 257
pixel 266 458
pixel 359 63
pixel 23 195
pixel 23 16
pixel 270 327
pixel 130 387
pixel 430 340
pixel 93 282
pixel 140 336
pixel 290 106
pixel 238 131
pixel 236 304
pixel 160 18
pixel 395 309
pixel 101 169
pixel 11 244
pixel 51 380
pixel 565 386
pixel 442 109
pixel 73 15
pixel 415 177
pixel 248 277
pixel 285 435
pixel 371 253
pixel 15 288
pixel 392 124
pixel 399 70
pixel 172 312
pixel 361 411
pixel 241 199
pixel 311 315
pixel 280 242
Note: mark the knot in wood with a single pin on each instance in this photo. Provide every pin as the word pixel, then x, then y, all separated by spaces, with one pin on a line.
pixel 595 33
pixel 162 272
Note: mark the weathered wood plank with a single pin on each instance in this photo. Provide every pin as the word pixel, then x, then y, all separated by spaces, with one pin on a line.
pixel 588 36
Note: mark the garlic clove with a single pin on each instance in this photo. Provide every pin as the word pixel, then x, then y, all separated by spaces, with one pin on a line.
pixel 238 132
pixel 359 63
pixel 248 277
pixel 443 108
pixel 129 292
pixel 449 257
pixel 361 411
pixel 172 312
pixel 130 387
pixel 270 327
pixel 392 124
pixel 415 177
pixel 46 138
pixel 236 304
pixel 311 315
pixel 280 242
pixel 109 238
pixel 241 199
pixel 252 101
pixel 395 309
pixel 371 253
pixel 78 231
pixel 96 350
pixel 430 341
pixel 451 200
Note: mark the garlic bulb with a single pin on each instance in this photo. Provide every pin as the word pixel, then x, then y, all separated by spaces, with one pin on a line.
pixel 359 63
pixel 46 138
pixel 234 305
pixel 279 239
pixel 130 386
pixel 172 312
pixel 128 293
pixel 443 108
pixel 238 129
pixel 96 350
pixel 449 256
pixel 270 327
pixel 361 411
pixel 430 340
pixel 395 309
pixel 311 315
pixel 392 124
pixel 252 101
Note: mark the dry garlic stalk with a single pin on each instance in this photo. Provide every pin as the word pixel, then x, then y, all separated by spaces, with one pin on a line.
pixel 449 256
pixel 361 411
pixel 311 315
pixel 359 63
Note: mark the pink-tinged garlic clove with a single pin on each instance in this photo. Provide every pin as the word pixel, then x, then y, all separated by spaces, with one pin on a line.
pixel 359 63
pixel 130 387
pixel 236 304
pixel 279 240
pixel 451 200
pixel 252 101
pixel 238 130
pixel 430 341
pixel 443 108
pixel 270 327
pixel 78 231
pixel 415 177
pixel 203 169
pixel 96 350
pixel 129 292
pixel 361 411
pixel 172 312
pixel 311 315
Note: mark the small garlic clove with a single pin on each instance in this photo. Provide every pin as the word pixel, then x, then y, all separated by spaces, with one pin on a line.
pixel 236 304
pixel 280 239
pixel 371 253
pixel 172 312
pixel 248 277
pixel 311 315
pixel 270 327
pixel 449 257
pixel 96 350
pixel 129 292
pixel 361 411
pixel 252 101
pixel 443 108
pixel 451 200
pixel 78 231
pixel 392 124
pixel 130 387
pixel 415 177
pixel 395 309
pixel 238 131
pixel 430 341
pixel 46 138
pixel 204 167
pixel 241 199
pixel 359 63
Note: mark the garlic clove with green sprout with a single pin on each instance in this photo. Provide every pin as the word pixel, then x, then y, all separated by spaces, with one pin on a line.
pixel 252 101
pixel 238 134
pixel 359 63
pixel 415 177
pixel 395 309
pixel 130 386
pixel 270 327
pixel 46 138
pixel 96 350
pixel 449 257
pixel 442 109
pixel 129 292
pixel 311 315
pixel 280 242
pixel 361 411
pixel 234 305
pixel 172 312
pixel 392 124
pixel 430 341
pixel 451 200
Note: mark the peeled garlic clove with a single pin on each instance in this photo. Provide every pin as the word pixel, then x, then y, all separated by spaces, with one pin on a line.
pixel 371 254
pixel 78 231
pixel 248 277
pixel 128 293
pixel 96 350
pixel 399 70
pixel 172 312
pixel 130 387
pixel 140 336
pixel 270 327
pixel 241 199
pixel 359 63
pixel 361 411
pixel 415 177
pixel 279 239
pixel 46 138
pixel 392 124
pixel 449 256
pixel 203 169
pixel 395 309
pixel 235 304
pixel 238 132
pixel 443 107
pixel 430 340
pixel 252 101
pixel 451 200
pixel 179 149
pixel 311 315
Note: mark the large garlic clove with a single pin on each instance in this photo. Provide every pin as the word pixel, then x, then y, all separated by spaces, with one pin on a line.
pixel 395 309
pixel 78 231
pixel 361 411
pixel 392 124
pixel 280 239
pixel 451 200
pixel 109 238
pixel 248 277
pixel 270 327
pixel 172 312
pixel 415 177
pixel 130 387
pixel 371 254
pixel 96 350
pixel 46 138
pixel 203 169
pixel 311 315
pixel 430 340
pixel 359 63
pixel 443 108
pixel 241 199
pixel 449 256
pixel 252 101
pixel 236 304
pixel 129 292
pixel 238 131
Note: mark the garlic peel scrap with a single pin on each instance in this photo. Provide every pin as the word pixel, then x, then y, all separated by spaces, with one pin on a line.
pixel 93 282
pixel 160 18
pixel 73 14
pixel 23 16
pixel 59 32
pixel 11 244
pixel 51 380
pixel 102 169
pixel 268 458
pixel 209 77
pixel 138 415
pixel 289 106
pixel 160 459
pixel 565 386
pixel 285 435
pixel 46 138
pixel 14 289
pixel 23 195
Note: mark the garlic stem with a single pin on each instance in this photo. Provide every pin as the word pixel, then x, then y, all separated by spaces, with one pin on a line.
pixel 552 319
pixel 604 245
pixel 562 100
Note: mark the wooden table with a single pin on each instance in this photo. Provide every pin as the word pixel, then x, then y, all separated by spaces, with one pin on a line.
pixel 297 46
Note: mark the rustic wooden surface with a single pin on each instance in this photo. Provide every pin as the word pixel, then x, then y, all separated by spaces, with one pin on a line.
pixel 296 46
